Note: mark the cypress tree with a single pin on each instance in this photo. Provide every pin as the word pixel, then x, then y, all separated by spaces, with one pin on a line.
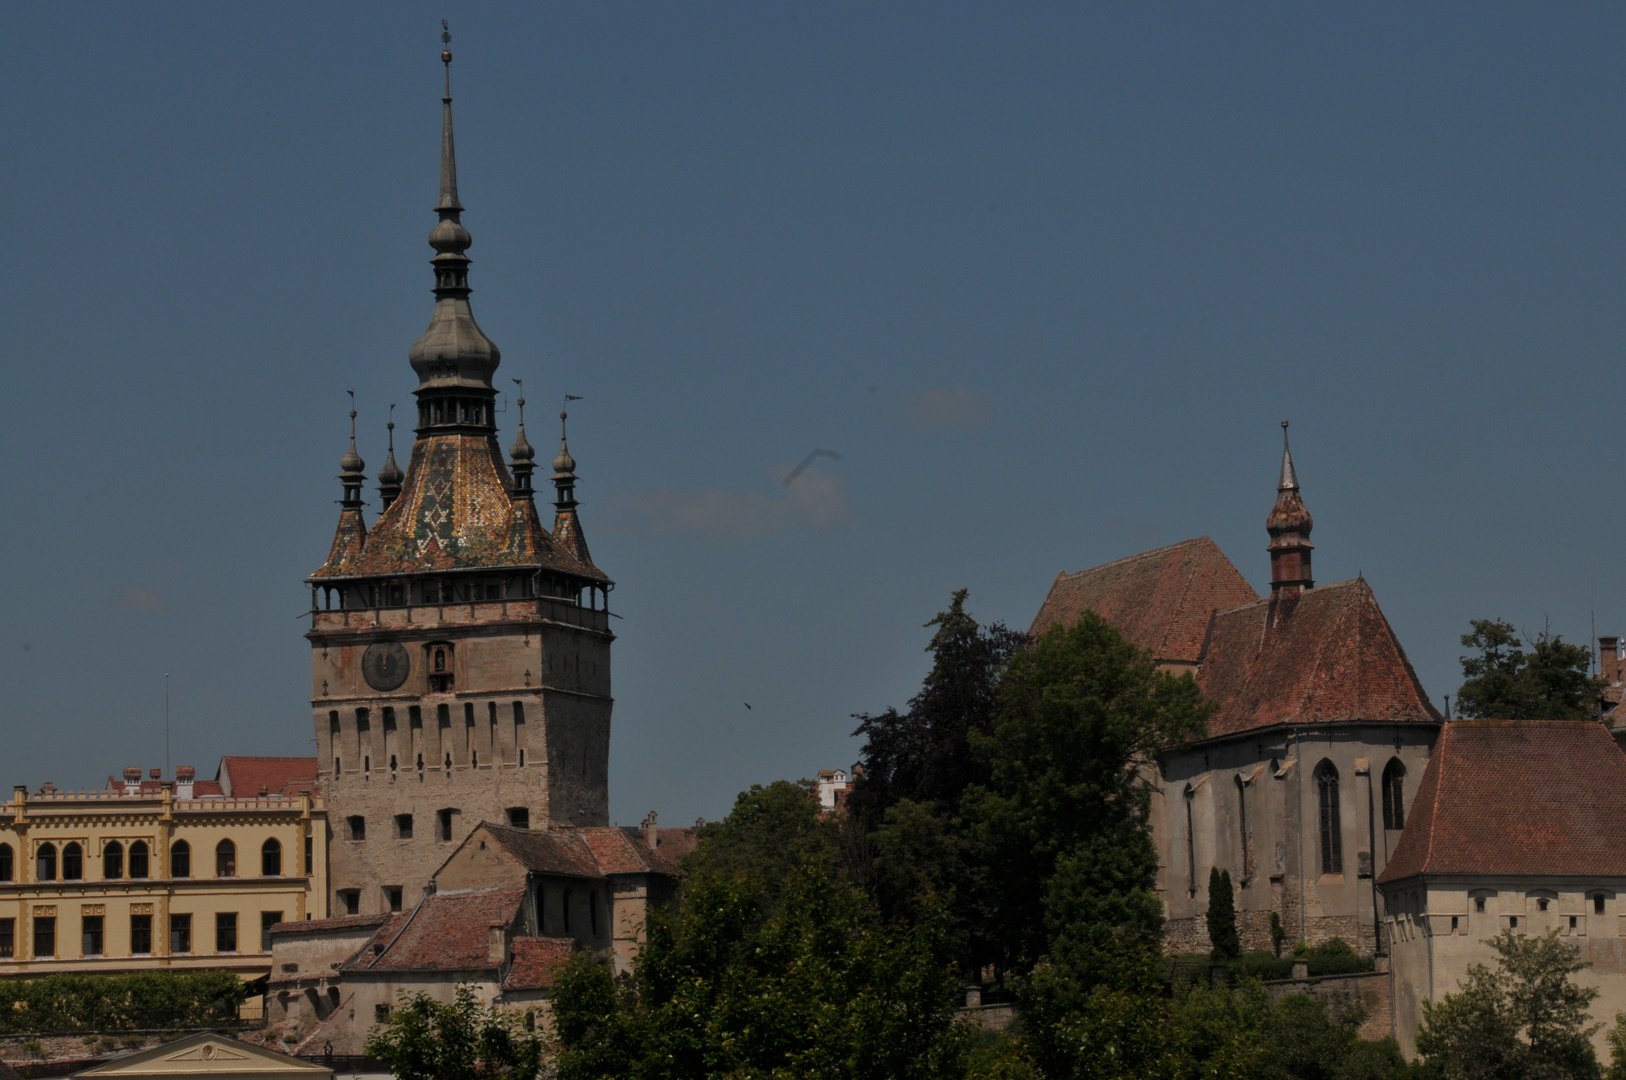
pixel 1222 916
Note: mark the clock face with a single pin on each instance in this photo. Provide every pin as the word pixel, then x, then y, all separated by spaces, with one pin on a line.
pixel 385 665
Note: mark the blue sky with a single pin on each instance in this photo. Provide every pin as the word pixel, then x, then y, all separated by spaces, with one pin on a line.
pixel 1046 278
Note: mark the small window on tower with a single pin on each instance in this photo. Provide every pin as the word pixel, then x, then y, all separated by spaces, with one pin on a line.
pixel 1479 903
pixel 519 817
pixel 1597 904
pixel 403 826
pixel 358 826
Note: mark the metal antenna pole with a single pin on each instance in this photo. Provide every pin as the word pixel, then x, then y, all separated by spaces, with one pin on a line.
pixel 166 724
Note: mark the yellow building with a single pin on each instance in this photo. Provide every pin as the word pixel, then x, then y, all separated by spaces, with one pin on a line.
pixel 161 874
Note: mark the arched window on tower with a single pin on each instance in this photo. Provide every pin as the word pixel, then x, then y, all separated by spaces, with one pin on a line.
pixel 45 862
pixel 1332 840
pixel 271 859
pixel 73 863
pixel 6 869
pixel 1242 826
pixel 225 859
pixel 138 859
pixel 113 861
pixel 180 859
pixel 1394 795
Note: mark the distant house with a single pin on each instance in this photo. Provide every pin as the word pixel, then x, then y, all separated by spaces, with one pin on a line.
pixel 1517 825
pixel 503 914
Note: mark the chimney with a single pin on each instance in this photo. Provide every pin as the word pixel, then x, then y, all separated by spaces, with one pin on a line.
pixel 497 946
pixel 132 780
pixel 652 835
pixel 1609 657
pixel 184 778
pixel 156 774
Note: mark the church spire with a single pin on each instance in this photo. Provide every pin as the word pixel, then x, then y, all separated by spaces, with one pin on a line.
pixel 567 529
pixel 1289 525
pixel 454 359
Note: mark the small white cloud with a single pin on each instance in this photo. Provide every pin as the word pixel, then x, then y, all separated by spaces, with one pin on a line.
pixel 814 500
pixel 134 598
pixel 948 407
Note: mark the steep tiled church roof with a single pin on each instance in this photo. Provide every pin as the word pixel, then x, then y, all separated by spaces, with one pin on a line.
pixel 1323 655
pixel 1522 797
pixel 1161 600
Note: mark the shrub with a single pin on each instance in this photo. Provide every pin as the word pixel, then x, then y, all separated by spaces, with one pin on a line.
pixel 139 1001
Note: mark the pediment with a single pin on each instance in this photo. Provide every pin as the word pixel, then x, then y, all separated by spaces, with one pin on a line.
pixel 206 1055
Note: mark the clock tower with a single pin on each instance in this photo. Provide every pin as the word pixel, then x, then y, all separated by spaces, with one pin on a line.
pixel 460 650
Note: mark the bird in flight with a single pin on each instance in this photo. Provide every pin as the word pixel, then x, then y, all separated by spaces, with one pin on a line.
pixel 790 477
pixel 747 704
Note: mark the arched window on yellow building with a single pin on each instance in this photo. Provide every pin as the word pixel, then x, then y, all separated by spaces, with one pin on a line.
pixel 271 859
pixel 225 859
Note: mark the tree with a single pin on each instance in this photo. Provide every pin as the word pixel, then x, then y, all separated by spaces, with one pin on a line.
pixel 924 753
pixel 425 1039
pixel 1079 713
pixel 1552 681
pixel 1222 932
pixel 771 831
pixel 1526 1019
pixel 732 985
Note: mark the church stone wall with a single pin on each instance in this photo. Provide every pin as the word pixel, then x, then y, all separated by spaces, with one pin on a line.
pixel 1254 810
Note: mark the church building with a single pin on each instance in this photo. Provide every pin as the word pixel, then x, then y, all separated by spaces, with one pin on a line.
pixel 460 650
pixel 1320 735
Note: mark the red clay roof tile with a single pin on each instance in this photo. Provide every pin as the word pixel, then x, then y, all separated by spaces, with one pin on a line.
pixel 1517 797
pixel 1160 600
pixel 446 932
pixel 537 962
pixel 278 775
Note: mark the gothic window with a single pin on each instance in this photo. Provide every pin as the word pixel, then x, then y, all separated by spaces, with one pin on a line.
pixel 1394 795
pixel 138 859
pixel 1191 843
pixel 565 906
pixel 1332 840
pixel 180 859
pixel 45 863
pixel 73 863
pixel 225 859
pixel 113 861
pixel 271 859
pixel 1242 824
pixel 5 862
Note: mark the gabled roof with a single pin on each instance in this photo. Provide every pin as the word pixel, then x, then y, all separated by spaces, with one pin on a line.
pixel 583 853
pixel 624 850
pixel 446 932
pixel 243 777
pixel 1325 655
pixel 207 1054
pixel 1160 600
pixel 1517 797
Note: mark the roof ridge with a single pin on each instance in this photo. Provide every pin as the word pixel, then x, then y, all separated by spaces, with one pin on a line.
pixel 1434 803
pixel 1134 557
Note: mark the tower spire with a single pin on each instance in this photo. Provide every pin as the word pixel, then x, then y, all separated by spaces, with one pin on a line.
pixel 350 466
pixel 1289 525
pixel 454 359
pixel 522 455
pixel 390 475
pixel 567 529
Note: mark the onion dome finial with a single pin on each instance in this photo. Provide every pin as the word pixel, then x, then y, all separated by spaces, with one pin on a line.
pixel 522 454
pixel 390 476
pixel 350 475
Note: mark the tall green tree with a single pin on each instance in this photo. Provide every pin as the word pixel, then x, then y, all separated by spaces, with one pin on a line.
pixel 1058 835
pixel 1503 681
pixel 772 830
pixel 425 1039
pixel 1526 1019
pixel 731 985
pixel 1221 918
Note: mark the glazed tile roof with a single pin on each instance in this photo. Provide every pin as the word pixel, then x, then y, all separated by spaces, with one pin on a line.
pixel 1326 655
pixel 446 932
pixel 455 511
pixel 1517 797
pixel 1160 600
pixel 536 962
pixel 244 776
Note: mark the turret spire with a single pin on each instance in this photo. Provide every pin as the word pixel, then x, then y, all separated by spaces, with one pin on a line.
pixel 454 359
pixel 522 455
pixel 567 530
pixel 350 475
pixel 390 476
pixel 1289 525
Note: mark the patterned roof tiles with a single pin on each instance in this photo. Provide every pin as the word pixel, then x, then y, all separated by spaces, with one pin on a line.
pixel 1160 600
pixel 243 777
pixel 1517 797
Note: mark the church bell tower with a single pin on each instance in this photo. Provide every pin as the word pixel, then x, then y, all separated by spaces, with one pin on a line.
pixel 460 650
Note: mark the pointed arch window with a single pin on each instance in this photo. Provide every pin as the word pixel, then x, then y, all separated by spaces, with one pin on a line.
pixel 1394 795
pixel 271 859
pixel 138 859
pixel 6 870
pixel 113 861
pixel 45 862
pixel 1332 841
pixel 1191 843
pixel 73 863
pixel 1242 824
pixel 226 859
pixel 180 859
